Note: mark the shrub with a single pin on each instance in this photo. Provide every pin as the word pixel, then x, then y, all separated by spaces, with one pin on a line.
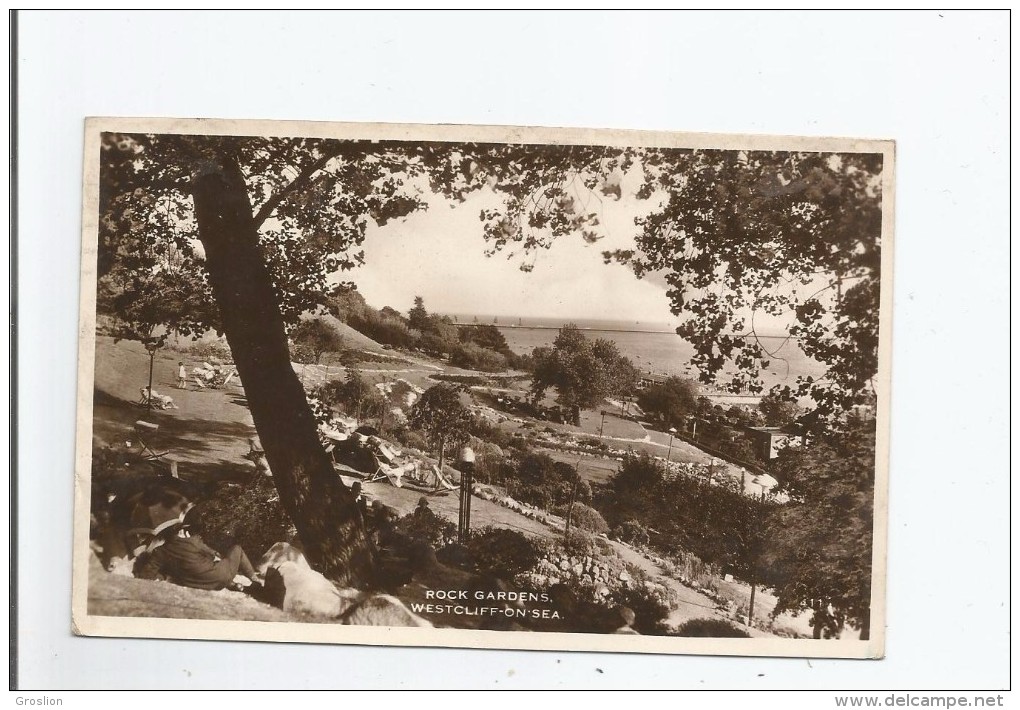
pixel 410 438
pixel 503 552
pixel 631 532
pixel 650 604
pixel 710 628
pixel 423 525
pixel 580 542
pixel 208 349
pixel 251 517
pixel 485 430
pixel 353 395
pixel 587 518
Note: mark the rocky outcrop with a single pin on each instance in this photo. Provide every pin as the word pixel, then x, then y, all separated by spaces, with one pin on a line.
pixel 383 610
pixel 298 589
pixel 293 586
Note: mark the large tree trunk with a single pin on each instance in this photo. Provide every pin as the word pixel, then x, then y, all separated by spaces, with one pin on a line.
pixel 321 507
pixel 866 626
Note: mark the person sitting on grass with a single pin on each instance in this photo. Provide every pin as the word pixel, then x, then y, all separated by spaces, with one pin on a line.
pixel 183 558
pixel 360 499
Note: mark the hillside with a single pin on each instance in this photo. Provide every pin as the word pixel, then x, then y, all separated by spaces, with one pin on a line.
pixel 352 338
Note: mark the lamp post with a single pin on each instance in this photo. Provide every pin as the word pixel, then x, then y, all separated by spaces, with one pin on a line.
pixel 151 346
pixel 672 433
pixel 603 424
pixel 467 469
pixel 573 495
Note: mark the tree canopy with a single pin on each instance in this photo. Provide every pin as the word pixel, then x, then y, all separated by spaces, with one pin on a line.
pixel 443 418
pixel 820 548
pixel 778 410
pixel 315 337
pixel 671 400
pixel 418 317
pixel 584 372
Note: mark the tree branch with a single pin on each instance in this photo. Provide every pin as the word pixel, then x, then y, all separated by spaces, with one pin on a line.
pixel 270 205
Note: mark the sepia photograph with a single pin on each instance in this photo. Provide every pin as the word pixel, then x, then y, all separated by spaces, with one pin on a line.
pixel 483 387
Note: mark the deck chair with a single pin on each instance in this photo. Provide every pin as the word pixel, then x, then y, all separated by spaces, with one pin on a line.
pixel 159 400
pixel 441 481
pixel 393 474
pixel 144 431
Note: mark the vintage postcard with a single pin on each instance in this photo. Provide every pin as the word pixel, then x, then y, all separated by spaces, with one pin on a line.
pixel 480 386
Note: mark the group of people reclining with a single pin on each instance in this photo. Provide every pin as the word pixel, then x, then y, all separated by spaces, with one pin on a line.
pixel 155 399
pixel 175 552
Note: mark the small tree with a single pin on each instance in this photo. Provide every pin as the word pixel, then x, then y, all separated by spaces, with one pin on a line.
pixel 443 418
pixel 582 371
pixel 584 517
pixel 353 395
pixel 314 338
pixel 777 409
pixel 670 400
pixel 418 317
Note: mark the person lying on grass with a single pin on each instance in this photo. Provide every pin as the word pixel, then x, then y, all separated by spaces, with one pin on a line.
pixel 181 557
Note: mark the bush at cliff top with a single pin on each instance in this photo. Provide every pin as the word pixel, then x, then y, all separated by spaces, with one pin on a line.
pixel 710 628
pixel 422 525
pixel 502 552
pixel 587 518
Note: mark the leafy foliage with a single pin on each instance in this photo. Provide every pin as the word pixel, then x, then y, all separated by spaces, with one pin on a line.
pixel 442 417
pixel 251 517
pixel 423 525
pixel 650 604
pixel 587 518
pixel 632 532
pixel 353 396
pixel 475 357
pixel 584 372
pixel 778 410
pixel 779 233
pixel 670 401
pixel 503 552
pixel 313 338
pixel 717 523
pixel 418 317
pixel 536 479
pixel 733 233
pixel 819 555
pixel 710 628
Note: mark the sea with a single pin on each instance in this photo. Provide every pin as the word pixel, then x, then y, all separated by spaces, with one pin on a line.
pixel 652 347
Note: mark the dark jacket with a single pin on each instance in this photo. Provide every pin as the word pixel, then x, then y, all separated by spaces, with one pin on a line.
pixel 187 561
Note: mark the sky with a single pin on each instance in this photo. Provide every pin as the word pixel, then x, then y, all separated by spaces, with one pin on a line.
pixel 439 254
